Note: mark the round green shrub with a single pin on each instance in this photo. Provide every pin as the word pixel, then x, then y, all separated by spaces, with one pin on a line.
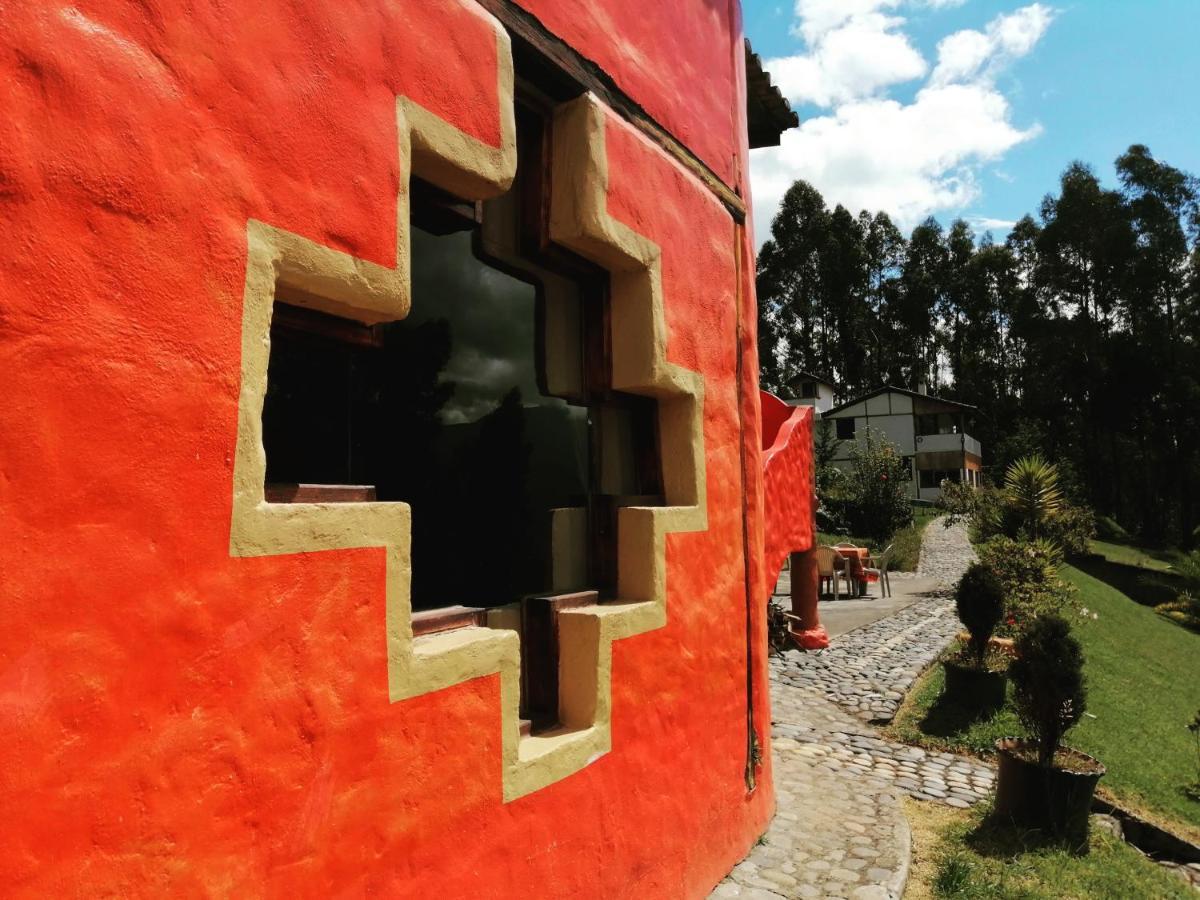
pixel 1049 691
pixel 979 599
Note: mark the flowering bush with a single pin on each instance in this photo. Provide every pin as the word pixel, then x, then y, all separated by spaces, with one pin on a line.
pixel 1072 529
pixel 1184 609
pixel 877 488
pixel 1028 572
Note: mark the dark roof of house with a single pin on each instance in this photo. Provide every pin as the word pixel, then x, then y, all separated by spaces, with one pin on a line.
pixel 889 389
pixel 812 376
pixel 768 114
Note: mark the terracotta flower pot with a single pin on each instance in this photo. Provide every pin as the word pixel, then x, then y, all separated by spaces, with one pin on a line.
pixel 1057 800
pixel 973 688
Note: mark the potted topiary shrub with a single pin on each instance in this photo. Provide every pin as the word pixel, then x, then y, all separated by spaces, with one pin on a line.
pixel 1041 783
pixel 975 677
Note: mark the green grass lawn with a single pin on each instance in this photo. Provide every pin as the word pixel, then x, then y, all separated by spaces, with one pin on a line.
pixel 1138 557
pixel 1143 689
pixel 964 854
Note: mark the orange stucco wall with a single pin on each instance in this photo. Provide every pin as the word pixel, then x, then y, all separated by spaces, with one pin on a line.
pixel 679 60
pixel 788 486
pixel 179 722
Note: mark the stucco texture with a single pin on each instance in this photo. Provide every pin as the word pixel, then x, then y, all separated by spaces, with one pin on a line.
pixel 181 722
pixel 680 60
pixel 788 486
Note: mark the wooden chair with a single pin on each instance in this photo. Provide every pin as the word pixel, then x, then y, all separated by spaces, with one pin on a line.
pixel 879 568
pixel 829 564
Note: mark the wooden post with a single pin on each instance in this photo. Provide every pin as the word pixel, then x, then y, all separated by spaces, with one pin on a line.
pixel 539 654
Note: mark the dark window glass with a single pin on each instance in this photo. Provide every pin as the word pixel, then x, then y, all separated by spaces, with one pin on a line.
pixel 845 429
pixel 808 390
pixel 488 410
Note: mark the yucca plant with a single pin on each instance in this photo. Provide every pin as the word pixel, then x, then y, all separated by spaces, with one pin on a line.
pixel 1031 493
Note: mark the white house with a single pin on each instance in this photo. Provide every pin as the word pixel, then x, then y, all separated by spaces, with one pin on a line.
pixel 930 432
pixel 811 390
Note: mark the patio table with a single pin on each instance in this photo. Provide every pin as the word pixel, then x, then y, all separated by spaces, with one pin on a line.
pixel 856 563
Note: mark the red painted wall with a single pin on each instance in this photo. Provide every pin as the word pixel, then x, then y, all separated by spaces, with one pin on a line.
pixel 179 722
pixel 680 60
pixel 788 486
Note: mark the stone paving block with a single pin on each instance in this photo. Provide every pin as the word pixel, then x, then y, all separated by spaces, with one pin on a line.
pixel 840 831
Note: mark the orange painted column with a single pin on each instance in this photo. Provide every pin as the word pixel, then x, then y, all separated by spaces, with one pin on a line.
pixel 805 585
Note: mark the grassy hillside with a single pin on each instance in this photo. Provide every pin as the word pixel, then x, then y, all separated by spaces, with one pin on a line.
pixel 1143 688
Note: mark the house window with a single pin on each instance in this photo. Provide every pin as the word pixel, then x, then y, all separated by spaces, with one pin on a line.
pixel 808 390
pixel 489 409
pixel 845 428
pixel 931 479
pixel 939 423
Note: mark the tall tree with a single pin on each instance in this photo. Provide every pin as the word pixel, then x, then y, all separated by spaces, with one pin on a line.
pixel 1078 336
pixel 790 286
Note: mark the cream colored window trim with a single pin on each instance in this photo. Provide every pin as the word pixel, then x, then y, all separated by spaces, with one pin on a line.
pixel 340 284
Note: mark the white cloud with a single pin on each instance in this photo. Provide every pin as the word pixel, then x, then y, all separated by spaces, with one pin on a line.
pixel 854 51
pixel 870 151
pixel 986 223
pixel 815 18
pixel 978 55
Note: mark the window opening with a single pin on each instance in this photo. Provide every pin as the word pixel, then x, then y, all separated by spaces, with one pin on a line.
pixel 939 423
pixel 489 410
pixel 933 478
pixel 845 429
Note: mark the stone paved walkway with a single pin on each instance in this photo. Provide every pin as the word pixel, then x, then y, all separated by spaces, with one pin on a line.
pixel 839 831
pixel 945 552
pixel 868 671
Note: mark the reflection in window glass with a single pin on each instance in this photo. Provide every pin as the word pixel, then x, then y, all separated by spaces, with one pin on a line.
pixel 476 411
pixel 498 453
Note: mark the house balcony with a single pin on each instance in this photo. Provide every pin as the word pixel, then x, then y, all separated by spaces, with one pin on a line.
pixel 937 443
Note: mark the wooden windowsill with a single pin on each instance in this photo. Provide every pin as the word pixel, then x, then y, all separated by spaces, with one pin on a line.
pixel 448 618
pixel 319 493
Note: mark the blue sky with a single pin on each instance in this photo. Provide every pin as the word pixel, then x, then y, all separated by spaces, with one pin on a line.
pixel 971 108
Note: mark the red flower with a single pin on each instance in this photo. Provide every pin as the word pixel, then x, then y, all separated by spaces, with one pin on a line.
pixel 1012 620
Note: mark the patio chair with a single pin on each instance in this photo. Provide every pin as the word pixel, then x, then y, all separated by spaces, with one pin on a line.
pixel 829 564
pixel 879 568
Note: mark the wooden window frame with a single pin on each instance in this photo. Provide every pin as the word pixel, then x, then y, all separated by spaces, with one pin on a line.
pixel 439 212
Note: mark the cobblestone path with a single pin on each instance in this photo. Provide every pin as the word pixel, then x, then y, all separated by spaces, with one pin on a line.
pixel 868 671
pixel 945 552
pixel 839 831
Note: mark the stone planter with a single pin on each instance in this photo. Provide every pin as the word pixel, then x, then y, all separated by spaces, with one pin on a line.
pixel 1057 800
pixel 973 688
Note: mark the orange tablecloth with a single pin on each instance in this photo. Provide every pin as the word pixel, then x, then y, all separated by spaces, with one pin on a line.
pixel 856 560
